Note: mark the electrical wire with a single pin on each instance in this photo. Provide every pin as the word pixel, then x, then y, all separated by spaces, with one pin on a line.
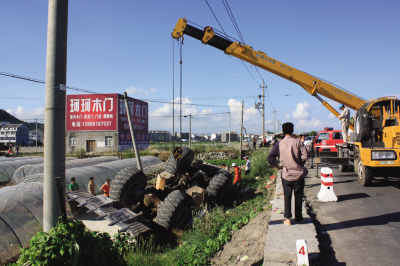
pixel 215 17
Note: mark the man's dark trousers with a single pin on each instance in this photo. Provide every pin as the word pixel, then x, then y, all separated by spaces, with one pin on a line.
pixel 298 188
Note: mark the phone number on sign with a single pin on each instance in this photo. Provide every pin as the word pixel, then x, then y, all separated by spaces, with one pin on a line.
pixel 92 124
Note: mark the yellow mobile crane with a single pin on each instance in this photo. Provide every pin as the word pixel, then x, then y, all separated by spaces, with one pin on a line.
pixel 374 147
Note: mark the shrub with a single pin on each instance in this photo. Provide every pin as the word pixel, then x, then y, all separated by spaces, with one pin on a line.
pixel 81 154
pixel 72 244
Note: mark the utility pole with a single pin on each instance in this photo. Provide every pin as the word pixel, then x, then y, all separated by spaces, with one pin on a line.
pixel 229 127
pixel 241 132
pixel 274 121
pixel 190 131
pixel 36 133
pixel 133 134
pixel 56 77
pixel 263 111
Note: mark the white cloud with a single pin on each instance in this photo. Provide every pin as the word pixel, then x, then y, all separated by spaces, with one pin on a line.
pixel 302 111
pixel 312 124
pixel 140 91
pixel 332 116
pixel 23 114
pixel 206 111
pixel 287 116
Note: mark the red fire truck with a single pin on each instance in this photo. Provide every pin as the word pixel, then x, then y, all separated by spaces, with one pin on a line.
pixel 326 141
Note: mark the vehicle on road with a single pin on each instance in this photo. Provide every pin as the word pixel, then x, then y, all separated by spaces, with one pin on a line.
pixel 326 141
pixel 374 146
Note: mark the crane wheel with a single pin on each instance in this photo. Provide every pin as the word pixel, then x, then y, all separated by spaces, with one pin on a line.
pixel 365 174
pixel 175 211
pixel 219 186
pixel 179 161
pixel 362 130
pixel 127 185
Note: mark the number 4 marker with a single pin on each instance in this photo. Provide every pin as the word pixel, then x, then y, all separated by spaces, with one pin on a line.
pixel 302 252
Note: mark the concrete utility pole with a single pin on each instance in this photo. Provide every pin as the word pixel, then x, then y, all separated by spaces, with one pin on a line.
pixel 274 121
pixel 190 131
pixel 36 133
pixel 241 133
pixel 229 127
pixel 135 146
pixel 263 112
pixel 56 75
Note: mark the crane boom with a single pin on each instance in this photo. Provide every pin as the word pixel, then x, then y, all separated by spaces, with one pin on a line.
pixel 311 84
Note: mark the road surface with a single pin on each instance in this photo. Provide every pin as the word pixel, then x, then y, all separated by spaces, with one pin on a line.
pixel 362 227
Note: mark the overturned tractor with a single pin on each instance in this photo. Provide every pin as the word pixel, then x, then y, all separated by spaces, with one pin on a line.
pixel 184 184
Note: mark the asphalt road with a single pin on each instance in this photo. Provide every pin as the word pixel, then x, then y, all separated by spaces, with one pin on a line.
pixel 362 227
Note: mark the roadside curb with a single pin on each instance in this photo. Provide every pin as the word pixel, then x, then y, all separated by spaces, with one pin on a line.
pixel 280 243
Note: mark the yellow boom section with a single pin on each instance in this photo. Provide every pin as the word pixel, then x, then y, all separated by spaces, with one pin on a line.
pixel 311 84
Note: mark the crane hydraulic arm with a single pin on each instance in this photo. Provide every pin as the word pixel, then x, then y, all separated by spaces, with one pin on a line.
pixel 311 84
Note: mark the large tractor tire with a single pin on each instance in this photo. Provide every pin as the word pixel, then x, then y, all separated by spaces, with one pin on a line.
pixel 219 186
pixel 127 186
pixel 179 161
pixel 342 168
pixel 365 174
pixel 362 125
pixel 175 211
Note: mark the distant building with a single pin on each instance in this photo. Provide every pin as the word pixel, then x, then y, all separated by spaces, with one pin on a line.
pixel 14 134
pixel 99 123
pixel 160 136
pixel 225 136
pixel 33 137
pixel 181 136
pixel 216 137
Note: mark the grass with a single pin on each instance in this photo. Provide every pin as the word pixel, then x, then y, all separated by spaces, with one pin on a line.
pixel 211 227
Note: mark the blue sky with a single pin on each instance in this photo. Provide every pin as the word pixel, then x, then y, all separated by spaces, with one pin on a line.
pixel 117 46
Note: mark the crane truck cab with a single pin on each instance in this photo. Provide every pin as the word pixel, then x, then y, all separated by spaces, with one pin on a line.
pixel 326 141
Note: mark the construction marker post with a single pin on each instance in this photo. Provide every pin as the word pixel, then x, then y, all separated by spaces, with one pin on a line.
pixel 302 252
pixel 326 192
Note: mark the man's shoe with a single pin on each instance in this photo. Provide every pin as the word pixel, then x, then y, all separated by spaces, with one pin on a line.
pixel 302 221
pixel 287 222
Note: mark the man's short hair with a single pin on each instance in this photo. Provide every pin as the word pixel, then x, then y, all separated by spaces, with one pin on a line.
pixel 73 179
pixel 108 179
pixel 92 178
pixel 287 128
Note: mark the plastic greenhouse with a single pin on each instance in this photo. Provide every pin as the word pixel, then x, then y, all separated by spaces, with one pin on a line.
pixel 21 205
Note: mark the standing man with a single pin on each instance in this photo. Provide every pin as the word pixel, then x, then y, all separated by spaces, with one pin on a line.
pixel 344 118
pixel 106 188
pixel 91 189
pixel 254 142
pixel 308 144
pixel 247 167
pixel 292 154
pixel 238 174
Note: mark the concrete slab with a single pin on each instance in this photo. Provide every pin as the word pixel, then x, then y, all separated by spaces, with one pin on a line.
pixel 280 243
pixel 101 225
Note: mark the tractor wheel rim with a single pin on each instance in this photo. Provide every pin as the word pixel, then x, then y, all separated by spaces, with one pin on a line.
pixel 359 170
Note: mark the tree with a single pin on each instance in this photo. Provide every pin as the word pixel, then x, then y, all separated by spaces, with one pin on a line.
pixel 312 133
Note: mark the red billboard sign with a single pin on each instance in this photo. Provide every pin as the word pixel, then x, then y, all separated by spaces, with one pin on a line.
pixel 104 112
pixel 139 115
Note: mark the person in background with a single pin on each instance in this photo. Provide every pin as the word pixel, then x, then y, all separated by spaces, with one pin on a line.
pixel 238 174
pixel 106 188
pixel 308 144
pixel 73 186
pixel 345 119
pixel 91 189
pixel 291 153
pixel 254 142
pixel 247 166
